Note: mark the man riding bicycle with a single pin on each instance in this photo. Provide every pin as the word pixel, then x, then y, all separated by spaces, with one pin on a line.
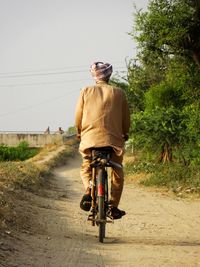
pixel 102 119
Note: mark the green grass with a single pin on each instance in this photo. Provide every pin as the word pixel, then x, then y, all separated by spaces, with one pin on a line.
pixel 143 166
pixel 19 153
pixel 175 176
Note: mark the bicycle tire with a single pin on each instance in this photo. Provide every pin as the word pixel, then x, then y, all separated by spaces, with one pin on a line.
pixel 101 204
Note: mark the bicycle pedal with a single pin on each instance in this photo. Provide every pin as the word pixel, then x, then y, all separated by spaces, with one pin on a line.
pixel 90 217
pixel 110 216
pixel 110 221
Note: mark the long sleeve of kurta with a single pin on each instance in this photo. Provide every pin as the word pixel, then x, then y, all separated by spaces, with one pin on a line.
pixel 79 113
pixel 125 116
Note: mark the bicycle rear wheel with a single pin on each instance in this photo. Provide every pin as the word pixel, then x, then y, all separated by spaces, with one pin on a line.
pixel 102 176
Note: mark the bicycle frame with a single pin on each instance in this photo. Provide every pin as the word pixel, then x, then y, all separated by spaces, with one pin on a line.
pixel 99 189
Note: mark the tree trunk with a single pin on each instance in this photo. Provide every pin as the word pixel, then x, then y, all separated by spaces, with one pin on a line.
pixel 196 57
pixel 166 154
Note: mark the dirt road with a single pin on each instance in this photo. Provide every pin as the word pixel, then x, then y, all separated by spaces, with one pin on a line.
pixel 158 230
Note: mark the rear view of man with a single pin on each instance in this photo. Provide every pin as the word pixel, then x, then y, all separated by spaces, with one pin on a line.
pixel 102 119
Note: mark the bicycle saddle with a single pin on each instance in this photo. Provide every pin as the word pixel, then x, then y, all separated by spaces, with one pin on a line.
pixel 104 148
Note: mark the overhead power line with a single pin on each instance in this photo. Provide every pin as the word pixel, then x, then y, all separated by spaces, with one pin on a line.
pixel 37 104
pixel 42 83
pixel 46 83
pixel 42 74
pixel 47 73
pixel 48 70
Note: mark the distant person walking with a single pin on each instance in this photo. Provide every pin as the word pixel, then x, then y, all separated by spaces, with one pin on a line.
pixel 59 131
pixel 47 131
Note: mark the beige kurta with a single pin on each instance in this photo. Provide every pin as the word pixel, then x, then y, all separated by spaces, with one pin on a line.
pixel 102 117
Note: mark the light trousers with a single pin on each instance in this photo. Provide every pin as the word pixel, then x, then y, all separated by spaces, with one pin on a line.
pixel 117 177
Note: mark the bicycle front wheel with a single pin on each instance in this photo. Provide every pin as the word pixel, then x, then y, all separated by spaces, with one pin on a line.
pixel 101 204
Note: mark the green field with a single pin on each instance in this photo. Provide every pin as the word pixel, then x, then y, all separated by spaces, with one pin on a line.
pixel 19 153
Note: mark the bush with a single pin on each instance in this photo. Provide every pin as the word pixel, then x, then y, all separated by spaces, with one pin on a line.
pixel 158 130
pixel 21 152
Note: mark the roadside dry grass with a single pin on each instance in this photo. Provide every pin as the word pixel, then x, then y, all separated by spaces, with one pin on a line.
pixel 169 178
pixel 129 161
pixel 16 178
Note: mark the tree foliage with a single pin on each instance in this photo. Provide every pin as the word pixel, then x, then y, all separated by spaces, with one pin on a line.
pixel 164 80
pixel 170 27
pixel 160 130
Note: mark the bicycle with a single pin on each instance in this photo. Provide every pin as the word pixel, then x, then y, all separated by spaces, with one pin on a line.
pixel 101 160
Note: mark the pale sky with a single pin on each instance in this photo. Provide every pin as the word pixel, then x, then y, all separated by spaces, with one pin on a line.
pixel 46 49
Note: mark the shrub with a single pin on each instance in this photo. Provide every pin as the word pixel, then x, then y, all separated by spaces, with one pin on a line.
pixel 21 152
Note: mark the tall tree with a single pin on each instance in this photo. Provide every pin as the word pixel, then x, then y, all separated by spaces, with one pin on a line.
pixel 170 27
pixel 166 76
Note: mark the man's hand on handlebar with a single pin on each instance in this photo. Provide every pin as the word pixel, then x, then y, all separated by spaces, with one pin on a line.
pixel 125 137
pixel 78 136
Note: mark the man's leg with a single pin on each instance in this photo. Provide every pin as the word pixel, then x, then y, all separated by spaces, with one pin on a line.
pixel 86 175
pixel 117 181
pixel 86 172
